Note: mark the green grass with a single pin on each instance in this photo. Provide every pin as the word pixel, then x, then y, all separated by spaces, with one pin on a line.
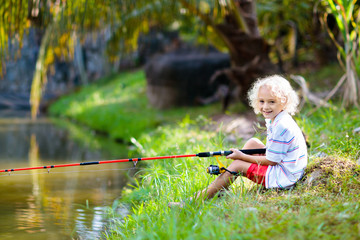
pixel 329 210
pixel 331 131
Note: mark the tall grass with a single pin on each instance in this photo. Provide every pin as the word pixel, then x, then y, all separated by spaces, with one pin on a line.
pixel 331 130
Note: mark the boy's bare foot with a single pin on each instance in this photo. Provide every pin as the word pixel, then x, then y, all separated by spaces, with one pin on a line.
pixel 176 204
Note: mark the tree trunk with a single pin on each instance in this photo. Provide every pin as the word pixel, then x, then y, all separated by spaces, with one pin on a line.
pixel 249 52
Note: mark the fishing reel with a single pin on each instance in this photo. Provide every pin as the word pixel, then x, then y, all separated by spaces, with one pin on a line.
pixel 213 170
pixel 216 170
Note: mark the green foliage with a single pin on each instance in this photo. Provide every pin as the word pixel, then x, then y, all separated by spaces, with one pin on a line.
pixel 347 15
pixel 13 23
pixel 284 29
pixel 68 22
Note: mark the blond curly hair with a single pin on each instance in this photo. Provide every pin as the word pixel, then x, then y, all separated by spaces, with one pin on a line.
pixel 280 87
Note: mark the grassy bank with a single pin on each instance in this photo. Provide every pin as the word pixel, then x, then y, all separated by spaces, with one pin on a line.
pixel 328 209
pixel 118 107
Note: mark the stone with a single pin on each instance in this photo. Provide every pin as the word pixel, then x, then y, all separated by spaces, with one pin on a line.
pixel 312 179
pixel 181 79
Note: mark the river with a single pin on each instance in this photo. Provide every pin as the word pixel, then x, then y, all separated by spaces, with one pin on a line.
pixel 63 203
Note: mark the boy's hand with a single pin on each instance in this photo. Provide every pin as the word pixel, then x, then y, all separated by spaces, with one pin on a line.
pixel 236 154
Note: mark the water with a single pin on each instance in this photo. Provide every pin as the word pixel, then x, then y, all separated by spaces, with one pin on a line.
pixel 66 203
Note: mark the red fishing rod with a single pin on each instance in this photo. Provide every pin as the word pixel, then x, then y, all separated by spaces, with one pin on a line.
pixel 135 160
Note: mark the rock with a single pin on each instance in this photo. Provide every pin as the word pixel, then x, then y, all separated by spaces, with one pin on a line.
pixel 15 102
pixel 62 75
pixel 320 154
pixel 312 179
pixel 181 78
pixel 230 139
pixel 241 126
pixel 156 41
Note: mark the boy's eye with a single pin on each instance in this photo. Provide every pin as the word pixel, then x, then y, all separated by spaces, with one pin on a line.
pixel 272 101
pixel 261 101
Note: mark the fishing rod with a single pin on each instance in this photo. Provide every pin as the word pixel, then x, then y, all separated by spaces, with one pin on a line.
pixel 135 160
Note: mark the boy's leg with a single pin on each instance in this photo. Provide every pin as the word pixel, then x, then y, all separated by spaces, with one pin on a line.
pixel 224 180
pixel 253 143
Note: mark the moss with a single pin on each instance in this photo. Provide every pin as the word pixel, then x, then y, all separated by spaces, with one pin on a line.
pixel 334 173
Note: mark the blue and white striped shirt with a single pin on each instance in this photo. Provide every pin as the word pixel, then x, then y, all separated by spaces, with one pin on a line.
pixel 285 145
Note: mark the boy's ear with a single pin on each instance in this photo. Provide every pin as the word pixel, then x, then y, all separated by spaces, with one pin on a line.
pixel 284 101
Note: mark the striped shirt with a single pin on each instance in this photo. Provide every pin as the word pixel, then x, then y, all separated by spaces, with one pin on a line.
pixel 285 145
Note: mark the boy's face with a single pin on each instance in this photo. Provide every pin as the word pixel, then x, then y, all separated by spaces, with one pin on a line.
pixel 269 105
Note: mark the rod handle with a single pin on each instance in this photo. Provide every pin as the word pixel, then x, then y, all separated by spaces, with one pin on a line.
pixel 225 153
pixel 253 151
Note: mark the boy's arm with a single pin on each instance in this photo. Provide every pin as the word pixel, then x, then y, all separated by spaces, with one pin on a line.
pixel 237 155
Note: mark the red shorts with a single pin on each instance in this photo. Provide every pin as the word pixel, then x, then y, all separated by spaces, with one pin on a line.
pixel 256 173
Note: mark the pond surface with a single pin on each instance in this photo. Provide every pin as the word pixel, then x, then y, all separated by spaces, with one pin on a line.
pixel 64 203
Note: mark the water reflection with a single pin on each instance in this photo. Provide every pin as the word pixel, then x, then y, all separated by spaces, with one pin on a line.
pixel 67 202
